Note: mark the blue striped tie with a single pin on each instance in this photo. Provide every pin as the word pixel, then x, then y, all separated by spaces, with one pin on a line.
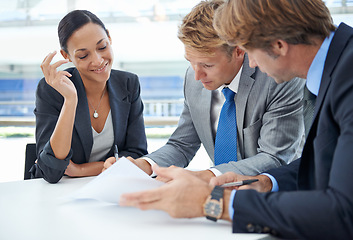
pixel 226 137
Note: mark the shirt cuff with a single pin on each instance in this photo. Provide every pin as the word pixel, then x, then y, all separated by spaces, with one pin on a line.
pixel 151 162
pixel 275 186
pixel 230 206
pixel 215 171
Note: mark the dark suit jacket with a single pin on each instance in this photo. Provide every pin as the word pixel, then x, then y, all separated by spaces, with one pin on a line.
pixel 127 114
pixel 320 205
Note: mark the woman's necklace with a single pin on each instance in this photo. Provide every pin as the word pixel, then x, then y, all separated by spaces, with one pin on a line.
pixel 95 114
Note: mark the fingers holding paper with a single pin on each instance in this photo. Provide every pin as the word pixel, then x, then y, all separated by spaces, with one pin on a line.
pixel 182 197
pixel 142 164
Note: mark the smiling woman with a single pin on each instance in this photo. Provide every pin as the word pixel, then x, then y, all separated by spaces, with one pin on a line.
pixel 84 111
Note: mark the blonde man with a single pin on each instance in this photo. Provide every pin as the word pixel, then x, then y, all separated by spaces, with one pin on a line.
pixel 285 38
pixel 269 120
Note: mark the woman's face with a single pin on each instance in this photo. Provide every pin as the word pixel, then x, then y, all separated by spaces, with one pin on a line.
pixel 89 49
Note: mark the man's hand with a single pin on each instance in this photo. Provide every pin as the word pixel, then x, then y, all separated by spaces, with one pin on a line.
pixel 182 197
pixel 205 175
pixel 263 185
pixel 142 164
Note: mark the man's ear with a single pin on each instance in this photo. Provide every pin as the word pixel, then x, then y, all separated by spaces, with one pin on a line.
pixel 238 53
pixel 280 47
pixel 65 55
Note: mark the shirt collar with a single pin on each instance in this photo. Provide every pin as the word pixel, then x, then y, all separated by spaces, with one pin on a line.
pixel 313 79
pixel 234 84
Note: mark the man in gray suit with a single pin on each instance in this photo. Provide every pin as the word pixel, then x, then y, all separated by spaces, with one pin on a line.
pixel 269 116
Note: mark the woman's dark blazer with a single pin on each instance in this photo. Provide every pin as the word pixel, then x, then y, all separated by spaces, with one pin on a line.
pixel 127 114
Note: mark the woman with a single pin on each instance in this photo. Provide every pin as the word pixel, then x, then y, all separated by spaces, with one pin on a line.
pixel 83 112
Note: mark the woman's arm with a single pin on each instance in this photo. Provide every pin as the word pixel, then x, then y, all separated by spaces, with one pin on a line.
pixel 61 137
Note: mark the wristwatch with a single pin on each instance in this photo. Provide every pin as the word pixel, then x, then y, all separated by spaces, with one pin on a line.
pixel 213 206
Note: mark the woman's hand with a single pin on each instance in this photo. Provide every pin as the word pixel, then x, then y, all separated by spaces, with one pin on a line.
pixel 83 169
pixel 108 163
pixel 73 169
pixel 59 80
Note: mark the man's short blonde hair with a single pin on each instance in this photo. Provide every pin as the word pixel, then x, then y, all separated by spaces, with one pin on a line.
pixel 196 30
pixel 258 23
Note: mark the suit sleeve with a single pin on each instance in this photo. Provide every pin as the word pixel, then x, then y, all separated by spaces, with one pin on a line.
pixel 286 176
pixel 281 131
pixel 48 107
pixel 183 143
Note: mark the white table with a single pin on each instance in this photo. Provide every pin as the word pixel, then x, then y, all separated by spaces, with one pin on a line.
pixel 35 209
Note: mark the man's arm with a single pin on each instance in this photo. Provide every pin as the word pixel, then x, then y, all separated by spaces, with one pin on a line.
pixel 286 176
pixel 180 148
pixel 184 142
pixel 185 194
pixel 182 197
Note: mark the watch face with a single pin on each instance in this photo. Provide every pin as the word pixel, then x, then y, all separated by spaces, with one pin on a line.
pixel 213 208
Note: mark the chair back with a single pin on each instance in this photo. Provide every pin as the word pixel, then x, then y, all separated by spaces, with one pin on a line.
pixel 31 157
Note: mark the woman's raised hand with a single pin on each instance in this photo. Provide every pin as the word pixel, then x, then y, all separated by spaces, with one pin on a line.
pixel 59 80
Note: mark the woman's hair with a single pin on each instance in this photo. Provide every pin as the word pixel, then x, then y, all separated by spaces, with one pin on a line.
pixel 73 21
pixel 258 23
pixel 196 30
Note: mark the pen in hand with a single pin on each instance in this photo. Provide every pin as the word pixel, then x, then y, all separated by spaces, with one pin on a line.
pixel 116 152
pixel 239 183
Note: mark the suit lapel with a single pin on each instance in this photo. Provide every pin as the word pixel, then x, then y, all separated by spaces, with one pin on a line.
pixel 118 98
pixel 205 119
pixel 336 48
pixel 199 102
pixel 307 165
pixel 200 110
pixel 82 119
pixel 245 84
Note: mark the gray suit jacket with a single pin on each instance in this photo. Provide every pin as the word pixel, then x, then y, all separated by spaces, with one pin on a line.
pixel 269 120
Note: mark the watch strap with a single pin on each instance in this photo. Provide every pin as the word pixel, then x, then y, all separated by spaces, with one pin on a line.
pixel 216 194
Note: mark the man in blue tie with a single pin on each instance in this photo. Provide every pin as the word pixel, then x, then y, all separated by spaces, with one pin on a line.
pixel 226 137
pixel 262 126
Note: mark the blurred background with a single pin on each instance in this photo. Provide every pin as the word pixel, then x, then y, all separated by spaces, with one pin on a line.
pixel 144 35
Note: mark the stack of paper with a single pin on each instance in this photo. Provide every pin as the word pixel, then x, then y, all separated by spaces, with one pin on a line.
pixel 122 177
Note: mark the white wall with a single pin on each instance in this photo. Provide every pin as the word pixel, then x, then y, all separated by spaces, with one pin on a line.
pixel 145 41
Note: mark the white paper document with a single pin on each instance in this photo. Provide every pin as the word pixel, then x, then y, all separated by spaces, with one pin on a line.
pixel 122 177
